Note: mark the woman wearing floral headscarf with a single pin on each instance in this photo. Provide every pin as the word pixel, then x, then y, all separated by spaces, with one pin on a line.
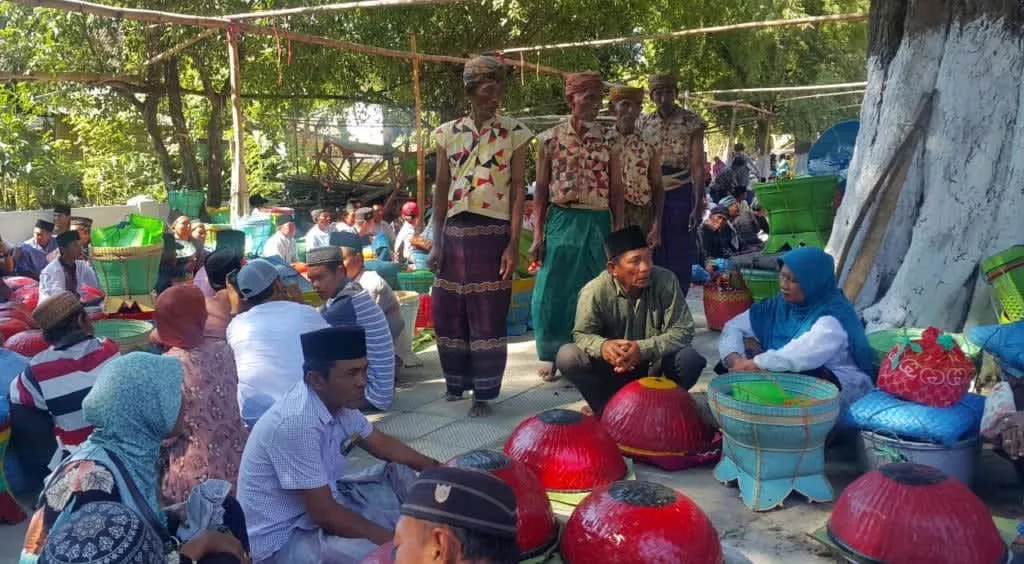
pixel 209 443
pixel 135 403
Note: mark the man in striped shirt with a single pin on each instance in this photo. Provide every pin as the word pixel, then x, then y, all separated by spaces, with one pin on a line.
pixel 47 422
pixel 347 303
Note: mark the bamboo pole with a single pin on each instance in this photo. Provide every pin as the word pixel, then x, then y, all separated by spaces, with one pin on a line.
pixel 810 88
pixel 734 104
pixel 336 7
pixel 181 47
pixel 824 95
pixel 732 136
pixel 421 179
pixel 810 20
pixel 154 16
pixel 239 185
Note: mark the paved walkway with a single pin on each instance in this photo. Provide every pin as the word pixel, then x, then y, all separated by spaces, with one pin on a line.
pixel 422 418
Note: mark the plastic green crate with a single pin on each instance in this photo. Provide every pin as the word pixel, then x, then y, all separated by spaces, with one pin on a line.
pixel 188 202
pixel 799 193
pixel 416 281
pixel 778 242
pixel 784 221
pixel 762 284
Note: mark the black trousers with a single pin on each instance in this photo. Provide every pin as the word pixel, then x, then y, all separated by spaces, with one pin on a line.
pixel 33 439
pixel 597 381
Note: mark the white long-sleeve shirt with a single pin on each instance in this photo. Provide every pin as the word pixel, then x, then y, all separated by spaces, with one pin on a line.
pixel 52 280
pixel 317 238
pixel 281 246
pixel 825 345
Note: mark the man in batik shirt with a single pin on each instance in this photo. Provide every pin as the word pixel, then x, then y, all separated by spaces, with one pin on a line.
pixel 578 201
pixel 641 164
pixel 478 215
pixel 679 135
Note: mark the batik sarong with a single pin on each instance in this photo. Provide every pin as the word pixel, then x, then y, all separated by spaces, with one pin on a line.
pixel 573 255
pixel 678 249
pixel 470 305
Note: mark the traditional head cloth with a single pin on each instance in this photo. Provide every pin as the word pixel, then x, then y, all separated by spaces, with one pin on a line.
pixel 54 310
pixel 133 405
pixel 102 531
pixel 465 498
pixel 81 221
pixel 219 264
pixel 44 225
pixel 720 210
pixel 579 82
pixel 662 80
pixel 624 240
pixel 776 322
pixel 323 255
pixel 481 69
pixel 620 93
pixel 67 237
pixel 410 209
pixel 316 213
pixel 727 201
pixel 334 343
pixel 62 208
pixel 180 317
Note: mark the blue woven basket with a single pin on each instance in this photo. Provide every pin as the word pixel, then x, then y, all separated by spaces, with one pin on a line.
pixel 881 412
pixel 775 450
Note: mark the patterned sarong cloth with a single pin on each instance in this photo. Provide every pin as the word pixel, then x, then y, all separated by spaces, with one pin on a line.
pixel 573 255
pixel 678 249
pixel 470 305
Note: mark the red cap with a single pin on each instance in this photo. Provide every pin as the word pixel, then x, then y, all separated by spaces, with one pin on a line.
pixel 410 209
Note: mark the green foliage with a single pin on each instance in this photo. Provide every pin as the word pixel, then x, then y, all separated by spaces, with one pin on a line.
pixel 107 154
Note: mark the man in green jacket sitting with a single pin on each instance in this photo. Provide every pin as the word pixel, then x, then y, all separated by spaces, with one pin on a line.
pixel 631 321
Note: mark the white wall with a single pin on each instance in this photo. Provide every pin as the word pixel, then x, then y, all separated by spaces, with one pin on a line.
pixel 16 227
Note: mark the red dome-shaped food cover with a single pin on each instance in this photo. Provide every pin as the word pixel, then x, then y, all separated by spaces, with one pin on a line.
pixel 27 295
pixel 636 522
pixel 536 528
pixel 914 513
pixel 568 451
pixel 19 311
pixel 27 343
pixel 653 420
pixel 11 326
pixel 384 554
pixel 15 282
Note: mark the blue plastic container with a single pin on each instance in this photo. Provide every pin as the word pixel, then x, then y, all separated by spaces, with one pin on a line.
pixel 518 321
pixel 775 450
pixel 257 231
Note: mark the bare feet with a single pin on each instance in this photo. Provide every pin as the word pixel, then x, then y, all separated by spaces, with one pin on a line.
pixel 452 397
pixel 480 409
pixel 587 410
pixel 548 373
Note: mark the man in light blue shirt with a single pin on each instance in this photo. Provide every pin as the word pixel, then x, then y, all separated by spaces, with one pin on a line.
pixel 299 505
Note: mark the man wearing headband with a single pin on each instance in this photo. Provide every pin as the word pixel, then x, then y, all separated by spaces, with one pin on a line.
pixel 631 322
pixel 679 135
pixel 61 218
pixel 69 272
pixel 282 243
pixel 478 215
pixel 641 164
pixel 30 258
pixel 300 507
pixel 320 234
pixel 457 515
pixel 578 201
pixel 346 303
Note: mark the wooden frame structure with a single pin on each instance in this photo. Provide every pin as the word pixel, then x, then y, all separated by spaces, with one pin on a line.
pixel 235 25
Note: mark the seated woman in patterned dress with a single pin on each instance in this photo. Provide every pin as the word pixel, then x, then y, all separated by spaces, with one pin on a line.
pixel 809 327
pixel 135 403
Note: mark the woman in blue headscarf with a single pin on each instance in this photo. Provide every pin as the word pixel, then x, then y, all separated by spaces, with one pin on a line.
pixel 134 405
pixel 809 327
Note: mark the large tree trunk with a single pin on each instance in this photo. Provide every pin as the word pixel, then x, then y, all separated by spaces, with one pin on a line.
pixel 186 148
pixel 964 190
pixel 214 135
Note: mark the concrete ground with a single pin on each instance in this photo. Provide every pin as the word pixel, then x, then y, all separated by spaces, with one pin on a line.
pixel 441 429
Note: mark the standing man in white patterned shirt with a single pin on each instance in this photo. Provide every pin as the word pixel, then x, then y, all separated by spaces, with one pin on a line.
pixel 300 506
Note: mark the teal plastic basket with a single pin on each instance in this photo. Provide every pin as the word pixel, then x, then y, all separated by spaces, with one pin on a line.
pixel 762 284
pixel 188 202
pixel 416 281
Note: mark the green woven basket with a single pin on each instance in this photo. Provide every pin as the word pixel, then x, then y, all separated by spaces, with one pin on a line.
pixel 806 192
pixel 1005 271
pixel 188 202
pixel 416 281
pixel 127 271
pixel 883 341
pixel 762 284
pixel 129 334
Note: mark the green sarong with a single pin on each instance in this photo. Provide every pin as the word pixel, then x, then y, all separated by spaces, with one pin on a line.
pixel 573 256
